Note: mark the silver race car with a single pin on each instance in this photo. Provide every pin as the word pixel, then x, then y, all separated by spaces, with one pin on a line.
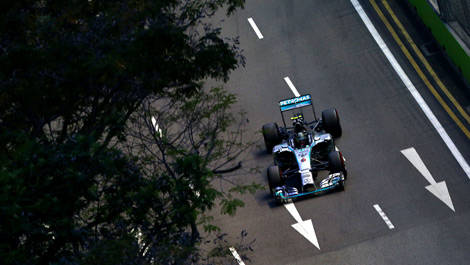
pixel 302 150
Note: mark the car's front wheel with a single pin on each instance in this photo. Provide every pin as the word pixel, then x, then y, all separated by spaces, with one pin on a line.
pixel 274 178
pixel 341 185
pixel 336 162
pixel 336 165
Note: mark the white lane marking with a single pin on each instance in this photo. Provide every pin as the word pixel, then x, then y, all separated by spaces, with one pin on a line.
pixel 191 186
pixel 255 28
pixel 157 129
pixel 291 86
pixel 237 257
pixel 404 78
pixel 438 189
pixel 140 240
pixel 305 228
pixel 384 216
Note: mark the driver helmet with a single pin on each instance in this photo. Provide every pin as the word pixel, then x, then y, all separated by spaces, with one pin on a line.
pixel 301 140
pixel 299 117
pixel 298 122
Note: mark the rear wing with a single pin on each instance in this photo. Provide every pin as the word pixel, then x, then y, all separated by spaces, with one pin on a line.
pixel 295 103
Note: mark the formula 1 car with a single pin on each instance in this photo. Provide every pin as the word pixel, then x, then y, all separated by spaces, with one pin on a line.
pixel 302 150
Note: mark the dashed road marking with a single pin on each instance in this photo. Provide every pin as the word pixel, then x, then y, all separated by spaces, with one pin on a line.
pixel 291 86
pixel 412 89
pixel 191 186
pixel 255 28
pixel 384 216
pixel 159 132
pixel 157 128
pixel 236 256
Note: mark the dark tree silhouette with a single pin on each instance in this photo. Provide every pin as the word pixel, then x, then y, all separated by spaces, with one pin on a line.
pixel 81 182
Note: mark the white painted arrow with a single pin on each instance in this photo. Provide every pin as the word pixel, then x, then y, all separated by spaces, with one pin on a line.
pixel 305 228
pixel 438 189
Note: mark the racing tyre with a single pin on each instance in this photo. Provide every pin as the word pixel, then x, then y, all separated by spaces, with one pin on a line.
pixel 331 123
pixel 274 179
pixel 341 185
pixel 271 136
pixel 336 162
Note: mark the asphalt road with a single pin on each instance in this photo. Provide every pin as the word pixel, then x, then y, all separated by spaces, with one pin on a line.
pixel 326 50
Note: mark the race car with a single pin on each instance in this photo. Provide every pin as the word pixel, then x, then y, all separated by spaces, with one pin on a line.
pixel 302 150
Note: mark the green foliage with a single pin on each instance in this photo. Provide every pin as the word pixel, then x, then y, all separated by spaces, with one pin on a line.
pixel 251 188
pixel 199 135
pixel 77 79
pixel 113 252
pixel 230 205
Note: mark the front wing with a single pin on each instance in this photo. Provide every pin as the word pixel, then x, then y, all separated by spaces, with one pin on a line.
pixel 333 181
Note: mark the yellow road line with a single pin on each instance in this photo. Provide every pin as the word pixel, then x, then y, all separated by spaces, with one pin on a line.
pixel 418 70
pixel 425 62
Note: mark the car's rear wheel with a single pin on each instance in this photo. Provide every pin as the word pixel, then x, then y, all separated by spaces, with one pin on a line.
pixel 271 136
pixel 274 178
pixel 330 119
